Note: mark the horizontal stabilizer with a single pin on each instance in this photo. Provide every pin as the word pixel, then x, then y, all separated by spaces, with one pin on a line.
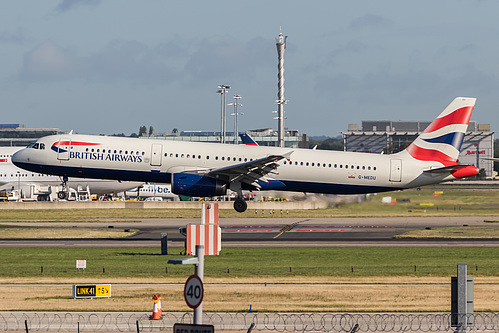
pixel 446 168
pixel 457 170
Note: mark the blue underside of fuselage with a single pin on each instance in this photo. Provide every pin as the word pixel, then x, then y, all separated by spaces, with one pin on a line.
pixel 161 177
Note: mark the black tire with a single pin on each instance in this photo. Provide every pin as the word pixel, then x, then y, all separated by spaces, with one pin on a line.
pixel 62 195
pixel 240 205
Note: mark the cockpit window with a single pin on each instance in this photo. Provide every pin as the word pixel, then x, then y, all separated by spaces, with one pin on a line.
pixel 36 145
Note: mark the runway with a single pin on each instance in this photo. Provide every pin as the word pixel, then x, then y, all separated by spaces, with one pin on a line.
pixel 277 232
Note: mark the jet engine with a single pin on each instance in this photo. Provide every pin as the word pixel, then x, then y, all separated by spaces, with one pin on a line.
pixel 193 185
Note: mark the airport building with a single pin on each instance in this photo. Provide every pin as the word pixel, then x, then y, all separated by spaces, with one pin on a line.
pixel 16 135
pixel 263 137
pixel 393 136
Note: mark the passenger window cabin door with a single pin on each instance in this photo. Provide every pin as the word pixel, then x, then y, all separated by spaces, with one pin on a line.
pixel 395 170
pixel 156 151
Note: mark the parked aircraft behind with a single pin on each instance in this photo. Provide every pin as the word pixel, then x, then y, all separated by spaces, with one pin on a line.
pixel 163 191
pixel 12 177
pixel 210 169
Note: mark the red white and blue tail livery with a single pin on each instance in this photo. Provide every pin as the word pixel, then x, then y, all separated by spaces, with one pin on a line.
pixel 210 169
pixel 442 140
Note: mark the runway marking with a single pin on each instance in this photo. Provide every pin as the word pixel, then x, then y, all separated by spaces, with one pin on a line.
pixel 303 228
pixel 286 228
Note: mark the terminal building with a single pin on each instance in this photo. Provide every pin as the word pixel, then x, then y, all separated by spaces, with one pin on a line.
pixel 12 135
pixel 393 136
pixel 263 137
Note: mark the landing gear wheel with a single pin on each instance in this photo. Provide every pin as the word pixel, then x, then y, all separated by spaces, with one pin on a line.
pixel 240 205
pixel 62 195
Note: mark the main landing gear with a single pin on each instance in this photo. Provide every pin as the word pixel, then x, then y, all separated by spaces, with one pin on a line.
pixel 240 205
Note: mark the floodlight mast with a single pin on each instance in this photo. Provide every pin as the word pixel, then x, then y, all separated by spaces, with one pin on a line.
pixel 236 116
pixel 222 90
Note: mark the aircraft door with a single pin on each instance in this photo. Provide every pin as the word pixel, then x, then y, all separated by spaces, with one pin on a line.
pixel 395 170
pixel 156 151
pixel 63 147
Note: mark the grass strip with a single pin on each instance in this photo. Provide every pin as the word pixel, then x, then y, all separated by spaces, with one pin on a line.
pixel 240 263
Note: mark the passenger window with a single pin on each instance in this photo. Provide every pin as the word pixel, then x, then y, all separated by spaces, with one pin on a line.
pixel 312 164
pixel 341 166
pixel 368 168
pixel 374 168
pixel 199 156
pixel 301 163
pixel 307 164
pixel 216 158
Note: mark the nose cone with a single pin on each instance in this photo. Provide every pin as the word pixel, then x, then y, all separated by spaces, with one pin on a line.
pixel 23 159
pixel 19 157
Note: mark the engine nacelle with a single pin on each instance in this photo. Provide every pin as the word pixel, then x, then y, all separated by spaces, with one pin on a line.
pixel 193 185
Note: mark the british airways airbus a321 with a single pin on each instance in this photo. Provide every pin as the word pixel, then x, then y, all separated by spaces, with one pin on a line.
pixel 210 169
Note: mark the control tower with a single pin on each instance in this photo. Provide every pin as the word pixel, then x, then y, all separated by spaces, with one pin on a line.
pixel 281 46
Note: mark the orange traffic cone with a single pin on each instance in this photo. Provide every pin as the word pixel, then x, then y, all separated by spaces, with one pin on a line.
pixel 159 306
pixel 155 309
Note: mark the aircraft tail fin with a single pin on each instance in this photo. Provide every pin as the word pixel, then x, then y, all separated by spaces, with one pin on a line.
pixel 441 141
pixel 247 140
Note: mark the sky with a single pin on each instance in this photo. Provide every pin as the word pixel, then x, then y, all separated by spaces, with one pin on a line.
pixel 111 66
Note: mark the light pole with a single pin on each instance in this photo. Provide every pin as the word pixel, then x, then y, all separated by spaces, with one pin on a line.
pixel 222 90
pixel 236 115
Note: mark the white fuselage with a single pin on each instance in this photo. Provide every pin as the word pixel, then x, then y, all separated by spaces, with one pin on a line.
pixel 12 177
pixel 145 160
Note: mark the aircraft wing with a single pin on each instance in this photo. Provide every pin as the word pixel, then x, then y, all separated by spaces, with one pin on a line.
pixel 249 172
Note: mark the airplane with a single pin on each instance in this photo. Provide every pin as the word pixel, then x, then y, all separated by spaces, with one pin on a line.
pixel 153 191
pixel 210 169
pixel 12 177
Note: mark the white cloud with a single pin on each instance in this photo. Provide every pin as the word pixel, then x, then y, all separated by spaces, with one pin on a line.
pixel 48 62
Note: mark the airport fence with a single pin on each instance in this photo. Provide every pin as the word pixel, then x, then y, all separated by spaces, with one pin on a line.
pixel 279 322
